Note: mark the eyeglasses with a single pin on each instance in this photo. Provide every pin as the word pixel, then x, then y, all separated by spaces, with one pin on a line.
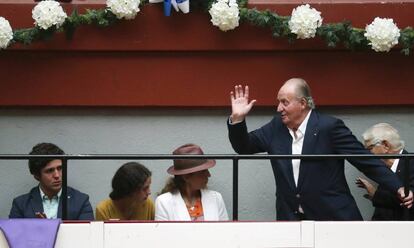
pixel 370 147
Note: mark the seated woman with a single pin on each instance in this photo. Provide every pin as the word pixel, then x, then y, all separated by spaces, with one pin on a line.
pixel 129 197
pixel 185 197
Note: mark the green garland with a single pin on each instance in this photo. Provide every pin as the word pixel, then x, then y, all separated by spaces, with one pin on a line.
pixel 333 34
pixel 100 18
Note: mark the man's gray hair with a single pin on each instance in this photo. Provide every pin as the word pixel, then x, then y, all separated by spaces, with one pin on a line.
pixel 303 91
pixel 383 132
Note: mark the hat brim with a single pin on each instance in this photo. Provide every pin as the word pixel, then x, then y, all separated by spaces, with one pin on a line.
pixel 205 166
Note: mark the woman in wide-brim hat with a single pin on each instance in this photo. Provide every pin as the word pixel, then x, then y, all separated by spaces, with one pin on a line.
pixel 185 197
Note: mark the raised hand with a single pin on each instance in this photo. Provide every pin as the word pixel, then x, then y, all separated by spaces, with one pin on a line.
pixel 240 105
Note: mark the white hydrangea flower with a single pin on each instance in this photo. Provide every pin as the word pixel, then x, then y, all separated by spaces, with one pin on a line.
pixel 225 14
pixel 383 34
pixel 127 9
pixel 48 13
pixel 6 33
pixel 304 21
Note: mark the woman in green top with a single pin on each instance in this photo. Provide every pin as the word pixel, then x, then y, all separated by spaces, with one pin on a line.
pixel 129 199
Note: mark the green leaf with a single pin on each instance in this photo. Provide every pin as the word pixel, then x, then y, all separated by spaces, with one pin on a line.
pixel 332 33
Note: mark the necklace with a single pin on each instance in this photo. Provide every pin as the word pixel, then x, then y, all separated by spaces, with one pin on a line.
pixel 191 200
pixel 195 210
pixel 190 204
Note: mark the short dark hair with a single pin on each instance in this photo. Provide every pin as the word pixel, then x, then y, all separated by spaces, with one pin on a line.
pixel 127 179
pixel 37 164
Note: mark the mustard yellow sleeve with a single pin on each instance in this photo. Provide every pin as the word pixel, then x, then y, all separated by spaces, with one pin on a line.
pixel 152 209
pixel 100 213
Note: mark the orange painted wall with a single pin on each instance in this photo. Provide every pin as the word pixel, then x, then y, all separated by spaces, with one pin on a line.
pixel 151 62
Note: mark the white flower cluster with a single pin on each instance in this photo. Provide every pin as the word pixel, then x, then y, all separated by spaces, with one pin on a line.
pixel 127 9
pixel 304 21
pixel 6 32
pixel 383 34
pixel 225 14
pixel 48 13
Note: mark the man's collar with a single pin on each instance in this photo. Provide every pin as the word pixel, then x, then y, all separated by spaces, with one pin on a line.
pixel 396 161
pixel 43 195
pixel 304 123
pixel 302 126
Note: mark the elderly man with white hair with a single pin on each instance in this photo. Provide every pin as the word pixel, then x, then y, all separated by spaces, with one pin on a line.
pixel 307 189
pixel 382 138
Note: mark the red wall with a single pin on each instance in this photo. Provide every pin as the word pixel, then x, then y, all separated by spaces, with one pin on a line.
pixel 183 60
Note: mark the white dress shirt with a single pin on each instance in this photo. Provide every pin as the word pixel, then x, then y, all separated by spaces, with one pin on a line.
pixel 297 145
pixel 395 163
pixel 50 206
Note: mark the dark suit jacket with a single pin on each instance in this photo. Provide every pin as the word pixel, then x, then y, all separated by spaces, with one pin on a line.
pixel 322 190
pixel 386 203
pixel 25 206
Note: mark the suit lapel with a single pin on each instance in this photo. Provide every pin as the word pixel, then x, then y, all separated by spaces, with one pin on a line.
pixel 36 201
pixel 180 207
pixel 400 167
pixel 59 213
pixel 209 204
pixel 309 144
pixel 286 148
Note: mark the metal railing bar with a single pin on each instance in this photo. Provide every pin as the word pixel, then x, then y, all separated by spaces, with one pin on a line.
pixel 64 189
pixel 235 189
pixel 234 157
pixel 210 156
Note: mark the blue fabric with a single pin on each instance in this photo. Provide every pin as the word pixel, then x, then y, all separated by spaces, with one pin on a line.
pixel 322 190
pixel 34 233
pixel 167 7
pixel 27 205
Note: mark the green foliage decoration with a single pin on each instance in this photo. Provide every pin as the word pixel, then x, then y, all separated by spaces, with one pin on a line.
pixel 334 34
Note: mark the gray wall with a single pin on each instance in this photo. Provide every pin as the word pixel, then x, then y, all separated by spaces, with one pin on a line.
pixel 159 131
